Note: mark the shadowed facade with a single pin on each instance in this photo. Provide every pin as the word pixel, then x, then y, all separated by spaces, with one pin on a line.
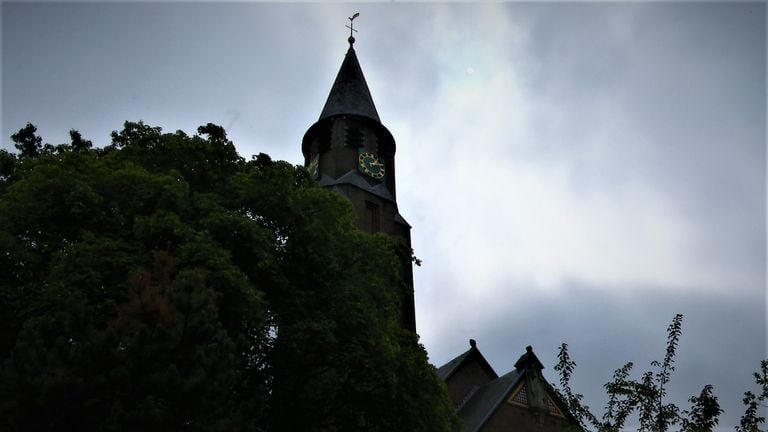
pixel 521 400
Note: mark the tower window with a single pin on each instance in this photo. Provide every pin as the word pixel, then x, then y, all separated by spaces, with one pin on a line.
pixel 374 216
pixel 354 137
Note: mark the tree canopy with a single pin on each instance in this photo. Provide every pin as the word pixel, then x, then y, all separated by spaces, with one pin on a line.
pixel 646 399
pixel 163 282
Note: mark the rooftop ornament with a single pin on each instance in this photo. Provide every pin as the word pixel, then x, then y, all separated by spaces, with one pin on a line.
pixel 351 39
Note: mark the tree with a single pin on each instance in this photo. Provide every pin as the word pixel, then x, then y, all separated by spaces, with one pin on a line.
pixel 644 397
pixel 752 420
pixel 704 412
pixel 27 142
pixel 165 283
pixel 79 144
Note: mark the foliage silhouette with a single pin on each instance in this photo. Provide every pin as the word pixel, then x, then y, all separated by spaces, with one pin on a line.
pixel 165 283
pixel 644 397
pixel 751 420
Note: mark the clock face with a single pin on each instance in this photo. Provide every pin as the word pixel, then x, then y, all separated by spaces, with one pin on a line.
pixel 371 165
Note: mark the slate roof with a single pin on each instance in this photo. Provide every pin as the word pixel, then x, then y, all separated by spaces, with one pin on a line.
pixel 480 404
pixel 483 403
pixel 445 371
pixel 350 94
pixel 449 368
pixel 354 178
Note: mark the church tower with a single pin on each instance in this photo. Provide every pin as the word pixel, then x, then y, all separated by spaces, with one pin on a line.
pixel 350 151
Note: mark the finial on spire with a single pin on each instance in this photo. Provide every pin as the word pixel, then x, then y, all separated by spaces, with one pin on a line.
pixel 351 39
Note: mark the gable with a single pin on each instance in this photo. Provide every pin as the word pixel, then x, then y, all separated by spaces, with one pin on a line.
pixel 467 377
pixel 521 400
pixel 471 356
pixel 484 402
pixel 519 397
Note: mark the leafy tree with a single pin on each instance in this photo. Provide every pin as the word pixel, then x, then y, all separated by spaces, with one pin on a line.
pixel 79 144
pixel 644 397
pixel 565 367
pixel 752 420
pixel 165 283
pixel 27 142
pixel 7 168
pixel 704 413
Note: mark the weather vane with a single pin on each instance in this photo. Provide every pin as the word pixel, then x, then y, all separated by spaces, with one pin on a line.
pixel 351 27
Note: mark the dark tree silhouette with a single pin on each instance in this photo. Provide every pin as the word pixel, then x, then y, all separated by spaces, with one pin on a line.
pixel 644 398
pixel 27 142
pixel 752 420
pixel 165 283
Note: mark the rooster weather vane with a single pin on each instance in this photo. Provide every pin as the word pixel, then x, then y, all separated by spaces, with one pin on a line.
pixel 351 27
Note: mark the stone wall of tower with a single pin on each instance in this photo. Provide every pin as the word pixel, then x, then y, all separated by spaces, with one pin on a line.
pixel 375 214
pixel 339 140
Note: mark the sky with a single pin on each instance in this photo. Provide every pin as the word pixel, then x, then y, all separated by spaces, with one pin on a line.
pixel 574 172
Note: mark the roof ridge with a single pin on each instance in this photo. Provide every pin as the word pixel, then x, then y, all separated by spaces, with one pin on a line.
pixel 467 398
pixel 502 395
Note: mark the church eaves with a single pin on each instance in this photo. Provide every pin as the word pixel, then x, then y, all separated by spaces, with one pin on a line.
pixel 349 94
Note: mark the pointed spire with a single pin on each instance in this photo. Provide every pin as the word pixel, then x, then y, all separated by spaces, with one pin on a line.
pixel 350 94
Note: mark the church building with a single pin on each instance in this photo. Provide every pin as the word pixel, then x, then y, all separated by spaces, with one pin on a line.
pixel 350 151
pixel 520 400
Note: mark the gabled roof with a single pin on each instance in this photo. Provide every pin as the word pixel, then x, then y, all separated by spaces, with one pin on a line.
pixel 350 94
pixel 445 371
pixel 484 402
pixel 481 404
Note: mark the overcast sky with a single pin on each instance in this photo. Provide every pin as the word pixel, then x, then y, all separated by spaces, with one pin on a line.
pixel 574 172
